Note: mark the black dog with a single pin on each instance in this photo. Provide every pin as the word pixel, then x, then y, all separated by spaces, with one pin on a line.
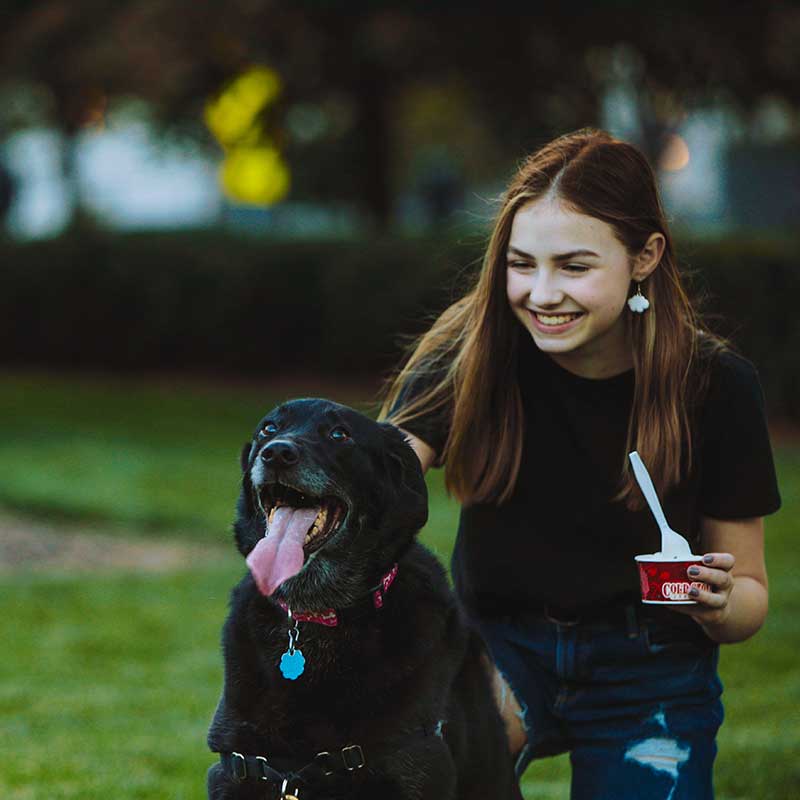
pixel 349 670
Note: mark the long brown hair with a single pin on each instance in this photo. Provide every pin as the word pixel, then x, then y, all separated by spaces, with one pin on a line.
pixel 472 347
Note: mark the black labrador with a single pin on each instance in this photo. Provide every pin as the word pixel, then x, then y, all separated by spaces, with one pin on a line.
pixel 350 671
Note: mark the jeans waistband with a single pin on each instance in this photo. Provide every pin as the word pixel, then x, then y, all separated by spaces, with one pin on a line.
pixel 624 614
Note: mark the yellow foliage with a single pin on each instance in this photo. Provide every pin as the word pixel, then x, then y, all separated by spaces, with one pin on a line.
pixel 256 175
pixel 232 114
pixel 252 170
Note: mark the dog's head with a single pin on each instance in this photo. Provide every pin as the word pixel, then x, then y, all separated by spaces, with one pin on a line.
pixel 347 487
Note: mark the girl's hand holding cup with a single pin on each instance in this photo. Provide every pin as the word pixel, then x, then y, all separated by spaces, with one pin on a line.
pixel 713 604
pixel 703 591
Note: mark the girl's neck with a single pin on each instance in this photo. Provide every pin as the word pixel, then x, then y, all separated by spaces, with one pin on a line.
pixel 603 357
pixel 592 367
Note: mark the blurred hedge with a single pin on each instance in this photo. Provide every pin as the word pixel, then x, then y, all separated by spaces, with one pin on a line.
pixel 214 302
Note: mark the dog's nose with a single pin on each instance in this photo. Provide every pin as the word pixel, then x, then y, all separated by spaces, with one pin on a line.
pixel 280 454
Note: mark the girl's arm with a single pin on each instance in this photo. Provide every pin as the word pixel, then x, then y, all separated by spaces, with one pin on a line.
pixel 734 567
pixel 425 453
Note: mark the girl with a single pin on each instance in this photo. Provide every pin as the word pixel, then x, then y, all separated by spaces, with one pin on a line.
pixel 577 345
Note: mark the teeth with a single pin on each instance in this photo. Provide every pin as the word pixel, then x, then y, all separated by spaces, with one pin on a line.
pixel 559 320
pixel 316 528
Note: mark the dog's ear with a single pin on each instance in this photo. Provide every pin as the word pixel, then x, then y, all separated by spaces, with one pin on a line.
pixel 244 458
pixel 247 526
pixel 407 493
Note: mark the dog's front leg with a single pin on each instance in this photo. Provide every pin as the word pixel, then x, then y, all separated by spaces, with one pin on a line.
pixel 425 771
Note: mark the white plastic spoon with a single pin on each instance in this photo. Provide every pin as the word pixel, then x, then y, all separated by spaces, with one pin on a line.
pixel 672 543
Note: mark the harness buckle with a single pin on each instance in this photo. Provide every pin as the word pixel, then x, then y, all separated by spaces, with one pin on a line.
pixel 264 766
pixel 323 760
pixel 239 766
pixel 353 757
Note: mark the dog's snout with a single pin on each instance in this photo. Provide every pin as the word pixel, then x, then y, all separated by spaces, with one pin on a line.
pixel 280 454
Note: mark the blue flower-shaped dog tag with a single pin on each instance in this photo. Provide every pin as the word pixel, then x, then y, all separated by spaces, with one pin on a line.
pixel 292 665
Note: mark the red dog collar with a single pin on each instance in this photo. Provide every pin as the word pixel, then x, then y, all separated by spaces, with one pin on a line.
pixel 330 618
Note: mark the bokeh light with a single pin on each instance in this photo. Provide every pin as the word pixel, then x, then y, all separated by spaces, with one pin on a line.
pixel 256 175
pixel 252 170
pixel 233 114
pixel 675 155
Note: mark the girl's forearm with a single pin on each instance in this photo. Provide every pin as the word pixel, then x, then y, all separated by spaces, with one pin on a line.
pixel 747 610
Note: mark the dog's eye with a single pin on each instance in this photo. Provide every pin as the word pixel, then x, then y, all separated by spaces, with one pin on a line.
pixel 269 429
pixel 339 434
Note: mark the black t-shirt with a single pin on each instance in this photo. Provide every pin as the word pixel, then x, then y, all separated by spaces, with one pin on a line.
pixel 560 539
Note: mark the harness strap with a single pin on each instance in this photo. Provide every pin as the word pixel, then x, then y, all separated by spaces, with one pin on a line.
pixel 324 770
pixel 241 767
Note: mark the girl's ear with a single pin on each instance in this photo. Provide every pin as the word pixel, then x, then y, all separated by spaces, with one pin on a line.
pixel 649 256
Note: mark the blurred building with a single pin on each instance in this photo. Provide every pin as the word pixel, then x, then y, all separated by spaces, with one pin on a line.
pixel 715 175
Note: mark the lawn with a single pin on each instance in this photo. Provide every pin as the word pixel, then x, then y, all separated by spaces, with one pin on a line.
pixel 109 680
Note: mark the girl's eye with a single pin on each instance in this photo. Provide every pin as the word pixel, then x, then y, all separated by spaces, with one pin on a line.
pixel 339 434
pixel 269 429
pixel 525 265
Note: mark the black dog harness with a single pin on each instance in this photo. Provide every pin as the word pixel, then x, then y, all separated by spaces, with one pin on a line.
pixel 325 772
pixel 328 772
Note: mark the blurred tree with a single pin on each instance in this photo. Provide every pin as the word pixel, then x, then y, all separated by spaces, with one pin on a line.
pixel 528 72
pixel 6 191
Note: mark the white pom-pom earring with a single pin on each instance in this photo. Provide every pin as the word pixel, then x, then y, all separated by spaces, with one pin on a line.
pixel 638 303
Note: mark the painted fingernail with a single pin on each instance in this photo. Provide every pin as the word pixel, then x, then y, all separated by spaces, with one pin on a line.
pixel 708 559
pixel 694 591
pixel 694 570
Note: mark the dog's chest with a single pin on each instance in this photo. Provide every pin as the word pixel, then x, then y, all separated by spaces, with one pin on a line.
pixel 319 706
pixel 301 657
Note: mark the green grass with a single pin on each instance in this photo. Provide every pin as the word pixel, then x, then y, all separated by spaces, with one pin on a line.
pixel 156 455
pixel 108 682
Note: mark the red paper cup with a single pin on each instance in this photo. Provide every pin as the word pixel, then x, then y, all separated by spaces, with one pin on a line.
pixel 665 581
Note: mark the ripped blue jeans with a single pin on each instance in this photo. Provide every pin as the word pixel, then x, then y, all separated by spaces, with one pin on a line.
pixel 634 699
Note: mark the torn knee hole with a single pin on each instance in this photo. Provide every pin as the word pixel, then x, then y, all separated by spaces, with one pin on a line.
pixel 662 754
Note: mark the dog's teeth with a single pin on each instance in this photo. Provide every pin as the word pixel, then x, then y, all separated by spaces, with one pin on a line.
pixel 317 527
pixel 312 533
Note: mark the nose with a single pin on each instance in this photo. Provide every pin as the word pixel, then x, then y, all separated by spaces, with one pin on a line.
pixel 544 289
pixel 280 454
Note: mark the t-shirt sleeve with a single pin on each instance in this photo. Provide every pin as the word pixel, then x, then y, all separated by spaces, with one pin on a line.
pixel 738 473
pixel 432 427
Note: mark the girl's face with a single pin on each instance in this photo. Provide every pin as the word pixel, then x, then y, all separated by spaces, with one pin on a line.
pixel 567 280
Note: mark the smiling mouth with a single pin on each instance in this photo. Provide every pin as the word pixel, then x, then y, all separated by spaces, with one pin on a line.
pixel 555 320
pixel 329 517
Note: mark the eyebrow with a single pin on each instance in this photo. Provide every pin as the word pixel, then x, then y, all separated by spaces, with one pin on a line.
pixel 560 257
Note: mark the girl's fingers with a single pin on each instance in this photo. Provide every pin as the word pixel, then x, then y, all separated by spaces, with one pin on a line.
pixel 715 571
pixel 715 577
pixel 709 599
pixel 719 560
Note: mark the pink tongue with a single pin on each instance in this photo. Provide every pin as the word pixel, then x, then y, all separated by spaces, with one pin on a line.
pixel 279 555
